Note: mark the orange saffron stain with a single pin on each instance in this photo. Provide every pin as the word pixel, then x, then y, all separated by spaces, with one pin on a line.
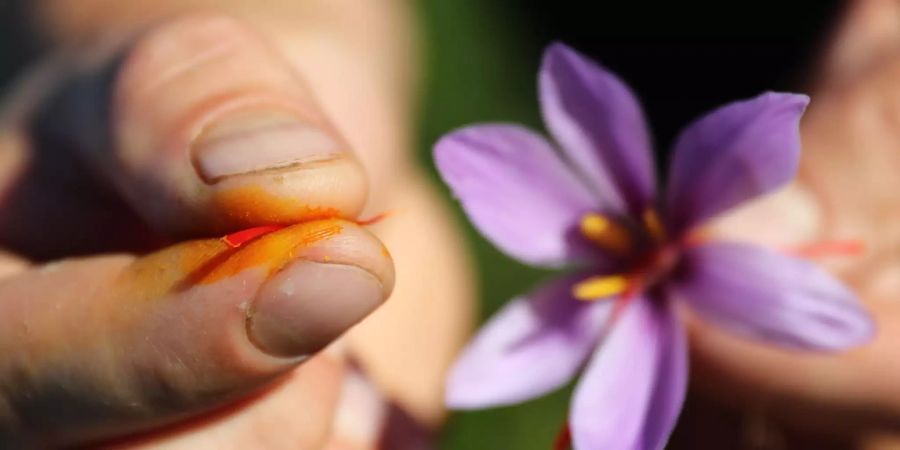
pixel 253 205
pixel 239 238
pixel 273 251
pixel 209 260
pixel 162 272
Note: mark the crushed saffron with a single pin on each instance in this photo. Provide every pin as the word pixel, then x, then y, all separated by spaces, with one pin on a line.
pixel 239 238
pixel 235 240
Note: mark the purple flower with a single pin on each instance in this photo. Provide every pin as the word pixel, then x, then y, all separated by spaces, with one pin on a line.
pixel 592 203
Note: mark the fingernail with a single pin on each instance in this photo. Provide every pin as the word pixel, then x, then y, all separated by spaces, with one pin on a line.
pixel 258 140
pixel 307 305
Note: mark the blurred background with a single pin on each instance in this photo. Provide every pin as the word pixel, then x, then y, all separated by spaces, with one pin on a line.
pixel 481 61
pixel 682 58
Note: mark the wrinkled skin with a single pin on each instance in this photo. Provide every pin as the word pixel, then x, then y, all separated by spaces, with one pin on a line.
pixel 845 191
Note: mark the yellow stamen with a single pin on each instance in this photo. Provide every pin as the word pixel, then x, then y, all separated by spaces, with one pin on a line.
pixel 653 225
pixel 604 232
pixel 595 288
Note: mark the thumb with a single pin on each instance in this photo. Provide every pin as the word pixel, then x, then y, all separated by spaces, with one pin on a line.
pixel 97 347
pixel 205 128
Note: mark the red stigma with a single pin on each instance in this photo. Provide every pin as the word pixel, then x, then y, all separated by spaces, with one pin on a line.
pixel 237 239
pixel 374 219
pixel 849 247
pixel 563 439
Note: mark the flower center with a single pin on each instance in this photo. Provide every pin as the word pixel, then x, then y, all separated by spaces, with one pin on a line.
pixel 648 254
pixel 643 247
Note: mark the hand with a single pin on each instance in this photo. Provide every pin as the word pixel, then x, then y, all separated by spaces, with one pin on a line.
pixel 146 125
pixel 847 189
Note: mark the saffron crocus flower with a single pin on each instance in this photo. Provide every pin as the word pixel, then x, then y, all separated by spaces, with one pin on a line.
pixel 592 203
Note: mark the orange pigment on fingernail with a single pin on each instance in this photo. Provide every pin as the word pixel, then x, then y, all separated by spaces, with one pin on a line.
pixel 273 251
pixel 253 205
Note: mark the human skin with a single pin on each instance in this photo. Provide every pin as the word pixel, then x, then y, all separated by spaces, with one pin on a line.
pixel 349 68
pixel 188 347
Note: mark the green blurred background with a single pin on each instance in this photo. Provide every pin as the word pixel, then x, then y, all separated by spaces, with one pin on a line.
pixel 481 67
pixel 682 59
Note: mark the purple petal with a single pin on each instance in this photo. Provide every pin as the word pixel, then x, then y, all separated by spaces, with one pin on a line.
pixel 733 154
pixel 632 392
pixel 671 384
pixel 532 346
pixel 516 191
pixel 764 295
pixel 599 124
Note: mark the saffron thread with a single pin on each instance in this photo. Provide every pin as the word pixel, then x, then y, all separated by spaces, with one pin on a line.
pixel 848 247
pixel 239 238
pixel 563 439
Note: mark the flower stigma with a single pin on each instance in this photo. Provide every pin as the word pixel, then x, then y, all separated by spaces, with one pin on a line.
pixel 645 247
pixel 653 225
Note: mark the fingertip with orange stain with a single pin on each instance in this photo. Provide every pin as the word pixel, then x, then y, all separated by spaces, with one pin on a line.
pixel 273 220
pixel 251 205
pixel 207 261
pixel 274 250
